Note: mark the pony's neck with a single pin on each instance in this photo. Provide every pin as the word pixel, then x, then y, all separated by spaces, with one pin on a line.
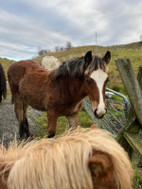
pixel 76 88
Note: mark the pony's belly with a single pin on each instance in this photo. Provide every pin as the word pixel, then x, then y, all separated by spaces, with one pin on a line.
pixel 37 107
pixel 33 96
pixel 35 104
pixel 33 101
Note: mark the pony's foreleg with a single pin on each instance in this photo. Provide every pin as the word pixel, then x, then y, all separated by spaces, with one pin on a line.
pixel 52 122
pixel 73 121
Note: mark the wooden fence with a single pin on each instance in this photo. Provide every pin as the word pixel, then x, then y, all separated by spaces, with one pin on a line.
pixel 129 137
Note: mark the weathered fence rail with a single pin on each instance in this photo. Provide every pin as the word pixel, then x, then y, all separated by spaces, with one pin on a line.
pixel 132 85
pixel 129 136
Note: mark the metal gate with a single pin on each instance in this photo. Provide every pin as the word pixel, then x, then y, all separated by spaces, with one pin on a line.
pixel 117 112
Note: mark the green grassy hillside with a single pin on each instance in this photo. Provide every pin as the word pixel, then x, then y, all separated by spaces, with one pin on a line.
pixel 6 63
pixel 132 51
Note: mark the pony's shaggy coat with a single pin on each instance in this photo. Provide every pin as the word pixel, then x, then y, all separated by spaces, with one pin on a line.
pixel 59 92
pixel 81 159
pixel 3 89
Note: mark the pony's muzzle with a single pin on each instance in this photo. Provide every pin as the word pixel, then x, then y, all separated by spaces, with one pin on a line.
pixel 100 114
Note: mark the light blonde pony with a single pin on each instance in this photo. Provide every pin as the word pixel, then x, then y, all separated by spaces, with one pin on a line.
pixel 50 62
pixel 66 163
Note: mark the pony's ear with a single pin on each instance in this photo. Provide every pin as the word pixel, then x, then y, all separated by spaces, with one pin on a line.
pixel 107 57
pixel 94 126
pixel 87 59
pixel 5 169
pixel 101 168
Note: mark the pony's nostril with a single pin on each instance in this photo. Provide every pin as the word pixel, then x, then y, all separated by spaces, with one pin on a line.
pixel 99 114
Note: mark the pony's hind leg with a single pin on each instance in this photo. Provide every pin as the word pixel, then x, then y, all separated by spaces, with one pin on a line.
pixel 21 114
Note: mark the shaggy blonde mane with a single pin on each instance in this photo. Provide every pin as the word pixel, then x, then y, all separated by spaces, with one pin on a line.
pixel 63 162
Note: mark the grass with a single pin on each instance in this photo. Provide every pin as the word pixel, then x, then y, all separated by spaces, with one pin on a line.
pixel 137 181
pixel 62 123
pixel 5 64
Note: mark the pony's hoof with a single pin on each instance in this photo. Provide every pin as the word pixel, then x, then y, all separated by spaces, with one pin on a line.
pixel 50 135
pixel 30 136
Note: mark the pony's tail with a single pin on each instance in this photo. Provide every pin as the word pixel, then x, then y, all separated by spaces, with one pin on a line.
pixel 3 82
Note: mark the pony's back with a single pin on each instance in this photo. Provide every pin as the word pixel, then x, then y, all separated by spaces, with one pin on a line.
pixel 16 73
pixel 3 89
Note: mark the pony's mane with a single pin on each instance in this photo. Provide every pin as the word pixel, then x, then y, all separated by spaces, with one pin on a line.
pixel 75 67
pixel 60 160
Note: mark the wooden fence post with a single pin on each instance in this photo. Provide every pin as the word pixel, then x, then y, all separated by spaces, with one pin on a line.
pixel 139 76
pixel 131 84
pixel 128 137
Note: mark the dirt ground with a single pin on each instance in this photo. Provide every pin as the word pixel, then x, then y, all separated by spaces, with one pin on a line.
pixel 9 123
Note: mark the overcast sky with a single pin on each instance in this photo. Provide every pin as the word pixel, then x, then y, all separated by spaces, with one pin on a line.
pixel 29 25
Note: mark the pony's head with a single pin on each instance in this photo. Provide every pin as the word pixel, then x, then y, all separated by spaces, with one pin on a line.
pixel 96 78
pixel 93 72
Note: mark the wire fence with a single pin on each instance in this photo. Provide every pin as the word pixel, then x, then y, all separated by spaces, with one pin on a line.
pixel 117 112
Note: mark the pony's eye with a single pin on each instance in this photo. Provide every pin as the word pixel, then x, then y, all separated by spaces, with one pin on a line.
pixel 88 81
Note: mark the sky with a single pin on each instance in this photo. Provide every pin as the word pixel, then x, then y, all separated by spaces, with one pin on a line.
pixel 26 26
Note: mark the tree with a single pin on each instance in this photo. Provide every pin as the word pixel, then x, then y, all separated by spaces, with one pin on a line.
pixel 61 48
pixel 57 49
pixel 68 45
pixel 42 52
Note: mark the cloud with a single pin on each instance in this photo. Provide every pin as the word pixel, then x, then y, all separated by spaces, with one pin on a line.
pixel 26 25
pixel 22 34
pixel 123 21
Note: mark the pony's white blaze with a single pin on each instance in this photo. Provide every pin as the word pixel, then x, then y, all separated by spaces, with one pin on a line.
pixel 99 76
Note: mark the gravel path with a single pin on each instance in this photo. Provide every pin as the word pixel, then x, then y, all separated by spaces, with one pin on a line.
pixel 9 123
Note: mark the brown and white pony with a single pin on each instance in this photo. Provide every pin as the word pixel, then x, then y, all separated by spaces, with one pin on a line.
pixel 59 92
pixel 79 159
pixel 3 89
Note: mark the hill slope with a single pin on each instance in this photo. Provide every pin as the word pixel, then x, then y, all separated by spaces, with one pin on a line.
pixel 6 63
pixel 132 51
